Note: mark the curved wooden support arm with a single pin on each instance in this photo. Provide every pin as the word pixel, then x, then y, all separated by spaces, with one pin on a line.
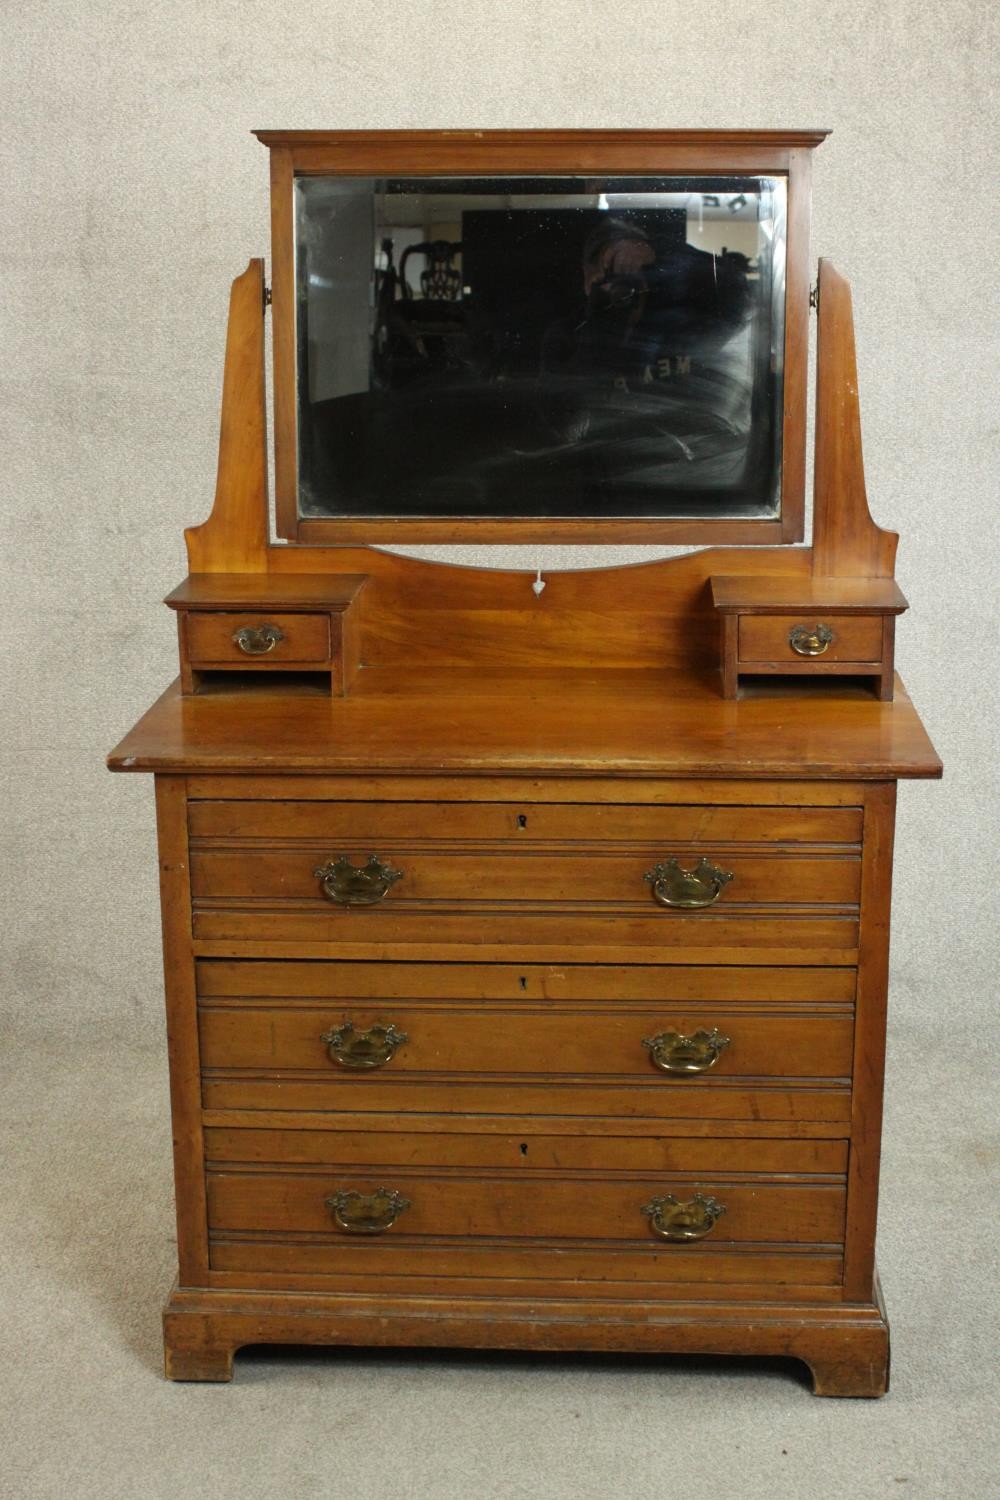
pixel 846 541
pixel 234 538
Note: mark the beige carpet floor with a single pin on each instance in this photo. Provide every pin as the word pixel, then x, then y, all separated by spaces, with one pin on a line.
pixel 87 1230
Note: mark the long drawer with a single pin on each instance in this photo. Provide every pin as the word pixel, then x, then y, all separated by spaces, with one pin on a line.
pixel 536 874
pixel 664 1041
pixel 466 1205
pixel 485 879
pixel 557 901
pixel 519 823
pixel 676 1043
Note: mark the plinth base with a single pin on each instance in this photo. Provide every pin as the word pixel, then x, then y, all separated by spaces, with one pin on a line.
pixel 845 1346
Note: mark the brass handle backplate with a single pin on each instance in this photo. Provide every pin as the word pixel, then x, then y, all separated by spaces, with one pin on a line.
pixel 258 640
pixel 366 1213
pixel 351 885
pixel 810 640
pixel 363 1049
pixel 687 889
pixel 673 1220
pixel 696 1053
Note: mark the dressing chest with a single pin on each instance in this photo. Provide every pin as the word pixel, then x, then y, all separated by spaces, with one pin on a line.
pixel 526 967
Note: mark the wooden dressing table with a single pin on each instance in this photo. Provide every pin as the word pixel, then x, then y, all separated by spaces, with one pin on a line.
pixel 523 990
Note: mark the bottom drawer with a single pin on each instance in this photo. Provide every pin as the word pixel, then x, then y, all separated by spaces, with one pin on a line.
pixel 596 1208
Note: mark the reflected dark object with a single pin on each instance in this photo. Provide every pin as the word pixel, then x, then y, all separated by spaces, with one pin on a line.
pixel 535 358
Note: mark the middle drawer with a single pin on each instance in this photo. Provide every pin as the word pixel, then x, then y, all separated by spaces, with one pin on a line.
pixel 729 1042
pixel 679 1041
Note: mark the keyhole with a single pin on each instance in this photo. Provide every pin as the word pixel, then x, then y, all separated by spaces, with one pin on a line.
pixel 522 821
pixel 523 982
pixel 524 1148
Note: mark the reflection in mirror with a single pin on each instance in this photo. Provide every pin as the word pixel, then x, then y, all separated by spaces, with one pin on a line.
pixel 540 347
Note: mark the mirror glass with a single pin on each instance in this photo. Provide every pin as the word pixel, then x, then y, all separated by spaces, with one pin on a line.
pixel 504 347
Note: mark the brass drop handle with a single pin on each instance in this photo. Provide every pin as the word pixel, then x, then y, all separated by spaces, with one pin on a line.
pixel 808 640
pixel 673 1220
pixel 366 1213
pixel 696 1053
pixel 258 640
pixel 363 1049
pixel 687 889
pixel 353 885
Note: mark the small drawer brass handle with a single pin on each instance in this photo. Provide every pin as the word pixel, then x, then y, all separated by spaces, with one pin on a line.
pixel 673 1220
pixel 808 640
pixel 688 889
pixel 366 1213
pixel 258 640
pixel 353 885
pixel 363 1049
pixel 696 1053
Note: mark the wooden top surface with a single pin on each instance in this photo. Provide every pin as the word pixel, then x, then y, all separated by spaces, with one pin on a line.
pixel 771 595
pixel 266 591
pixel 472 720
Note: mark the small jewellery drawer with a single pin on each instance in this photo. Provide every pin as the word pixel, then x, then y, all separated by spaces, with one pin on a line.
pixel 535 1205
pixel 849 638
pixel 820 628
pixel 219 639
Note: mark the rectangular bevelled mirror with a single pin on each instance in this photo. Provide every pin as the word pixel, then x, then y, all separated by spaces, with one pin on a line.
pixel 484 355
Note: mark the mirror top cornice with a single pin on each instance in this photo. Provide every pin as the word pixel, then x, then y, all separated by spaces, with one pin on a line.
pixel 807 139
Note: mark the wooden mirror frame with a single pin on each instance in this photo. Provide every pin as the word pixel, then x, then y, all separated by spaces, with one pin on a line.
pixel 443 153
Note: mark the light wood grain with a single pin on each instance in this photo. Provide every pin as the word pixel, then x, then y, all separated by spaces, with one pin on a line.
pixel 210 637
pixel 234 538
pixel 846 540
pixel 182 1028
pixel 595 791
pixel 765 638
pixel 617 724
pixel 523 1127
pixel 455 1145
pixel 869 1040
pixel 243 979
pixel 537 1206
pixel 847 1348
pixel 489 881
pixel 562 1039
pixel 514 1095
pixel 527 823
